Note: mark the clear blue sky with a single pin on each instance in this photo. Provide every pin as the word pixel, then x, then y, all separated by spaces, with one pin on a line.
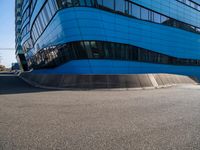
pixel 7 31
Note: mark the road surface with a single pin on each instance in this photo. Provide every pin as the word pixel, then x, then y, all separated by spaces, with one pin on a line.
pixel 163 119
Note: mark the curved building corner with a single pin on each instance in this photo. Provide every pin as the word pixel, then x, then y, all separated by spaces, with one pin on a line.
pixel 115 37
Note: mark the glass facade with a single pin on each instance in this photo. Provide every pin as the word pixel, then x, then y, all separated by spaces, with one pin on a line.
pixel 131 9
pixel 19 19
pixel 191 4
pixel 36 17
pixel 124 7
pixel 43 19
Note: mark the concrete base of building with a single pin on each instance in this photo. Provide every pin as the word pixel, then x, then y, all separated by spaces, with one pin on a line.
pixel 136 81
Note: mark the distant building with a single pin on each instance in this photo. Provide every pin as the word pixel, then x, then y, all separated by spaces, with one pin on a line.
pixel 109 36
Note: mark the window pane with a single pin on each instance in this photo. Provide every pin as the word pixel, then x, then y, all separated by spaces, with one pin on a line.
pixel 64 3
pixel 163 19
pixel 76 3
pixel 156 17
pixel 82 2
pixel 120 5
pixel 144 14
pixel 88 3
pixel 109 3
pixel 96 51
pixel 136 11
pixel 100 2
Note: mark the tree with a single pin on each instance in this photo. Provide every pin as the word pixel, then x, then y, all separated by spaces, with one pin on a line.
pixel 2 68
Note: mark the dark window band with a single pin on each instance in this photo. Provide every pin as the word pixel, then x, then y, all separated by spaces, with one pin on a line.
pixel 57 55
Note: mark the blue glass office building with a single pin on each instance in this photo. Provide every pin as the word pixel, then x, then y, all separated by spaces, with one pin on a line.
pixel 111 36
pixel 18 21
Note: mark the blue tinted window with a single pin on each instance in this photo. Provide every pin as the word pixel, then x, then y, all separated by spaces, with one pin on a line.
pixel 144 14
pixel 88 2
pixel 82 2
pixel 163 19
pixel 100 2
pixel 120 5
pixel 136 11
pixel 109 3
pixel 156 17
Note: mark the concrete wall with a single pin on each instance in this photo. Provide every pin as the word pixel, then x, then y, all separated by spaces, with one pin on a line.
pixel 107 81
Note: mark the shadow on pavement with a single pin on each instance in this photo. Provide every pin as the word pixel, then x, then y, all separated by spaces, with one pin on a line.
pixel 12 84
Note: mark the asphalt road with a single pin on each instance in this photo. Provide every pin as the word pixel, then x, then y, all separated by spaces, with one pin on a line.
pixel 163 119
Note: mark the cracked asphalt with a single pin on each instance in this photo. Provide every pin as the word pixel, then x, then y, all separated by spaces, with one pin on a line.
pixel 38 119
